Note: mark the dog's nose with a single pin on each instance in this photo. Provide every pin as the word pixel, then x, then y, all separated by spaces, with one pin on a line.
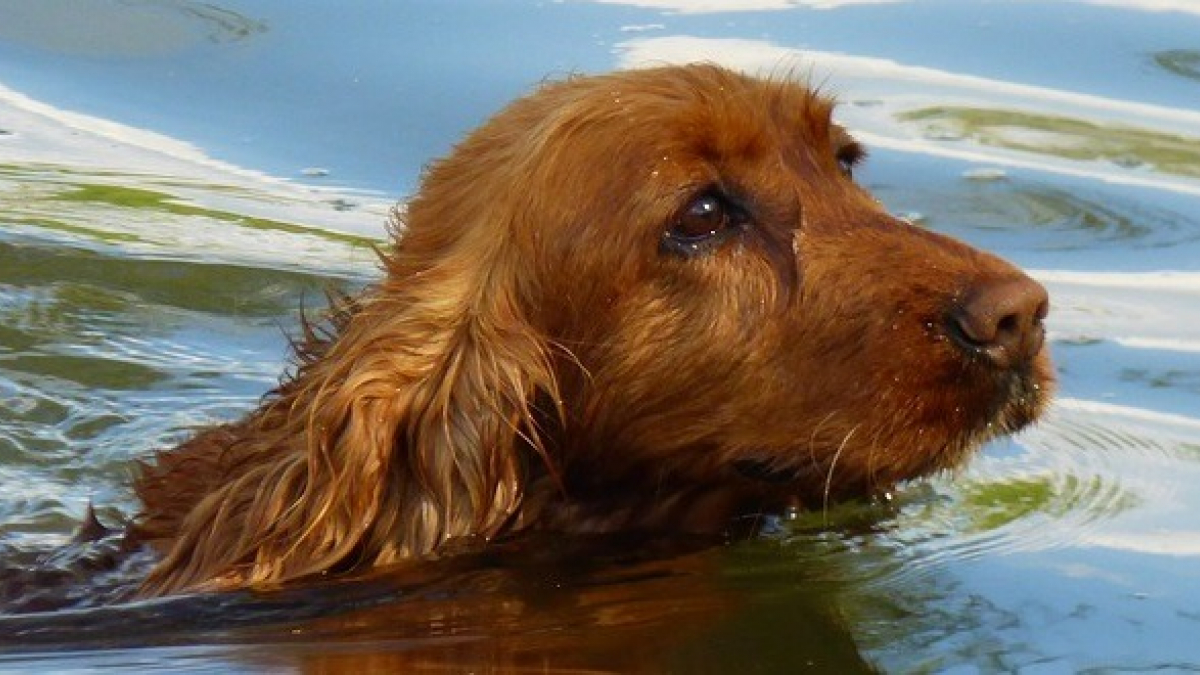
pixel 1002 321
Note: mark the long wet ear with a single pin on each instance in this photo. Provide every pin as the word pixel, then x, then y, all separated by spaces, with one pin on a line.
pixel 406 425
pixel 453 365
pixel 463 388
pixel 409 423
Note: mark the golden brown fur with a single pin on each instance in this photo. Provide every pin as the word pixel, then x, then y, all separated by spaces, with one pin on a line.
pixel 560 341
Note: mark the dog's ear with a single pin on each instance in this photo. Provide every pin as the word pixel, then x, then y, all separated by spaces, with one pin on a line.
pixel 409 420
pixel 407 424
pixel 419 427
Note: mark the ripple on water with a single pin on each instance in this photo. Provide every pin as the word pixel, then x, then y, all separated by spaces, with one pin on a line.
pixel 1091 475
pixel 108 353
pixel 1049 218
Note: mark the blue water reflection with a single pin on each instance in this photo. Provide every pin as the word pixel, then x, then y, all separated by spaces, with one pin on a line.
pixel 1071 547
pixel 370 91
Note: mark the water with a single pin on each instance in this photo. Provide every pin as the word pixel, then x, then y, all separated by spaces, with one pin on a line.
pixel 177 178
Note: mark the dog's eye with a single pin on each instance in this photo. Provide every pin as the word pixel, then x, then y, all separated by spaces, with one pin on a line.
pixel 849 155
pixel 705 216
pixel 705 219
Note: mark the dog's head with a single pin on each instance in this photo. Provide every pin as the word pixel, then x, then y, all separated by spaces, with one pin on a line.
pixel 623 300
pixel 714 296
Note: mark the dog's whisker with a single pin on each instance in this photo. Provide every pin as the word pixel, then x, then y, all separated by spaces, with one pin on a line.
pixel 825 501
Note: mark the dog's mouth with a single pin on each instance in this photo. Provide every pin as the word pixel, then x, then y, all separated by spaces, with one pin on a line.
pixel 1022 400
pixel 764 472
pixel 993 405
pixel 943 449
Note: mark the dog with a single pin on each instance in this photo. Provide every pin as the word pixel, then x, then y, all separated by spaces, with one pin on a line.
pixel 653 300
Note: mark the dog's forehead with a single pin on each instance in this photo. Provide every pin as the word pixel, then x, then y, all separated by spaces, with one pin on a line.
pixel 714 113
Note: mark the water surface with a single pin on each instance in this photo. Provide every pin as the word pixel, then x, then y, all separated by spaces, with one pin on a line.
pixel 177 178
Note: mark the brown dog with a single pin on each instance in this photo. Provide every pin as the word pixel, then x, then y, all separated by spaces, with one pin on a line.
pixel 648 300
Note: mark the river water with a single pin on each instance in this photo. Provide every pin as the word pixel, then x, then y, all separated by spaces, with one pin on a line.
pixel 178 177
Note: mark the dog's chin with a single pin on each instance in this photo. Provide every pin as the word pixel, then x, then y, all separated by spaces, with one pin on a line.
pixel 1024 399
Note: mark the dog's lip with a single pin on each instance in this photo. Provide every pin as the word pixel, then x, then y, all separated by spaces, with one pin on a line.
pixel 764 472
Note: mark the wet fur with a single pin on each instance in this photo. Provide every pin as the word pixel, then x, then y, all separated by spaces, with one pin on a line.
pixel 535 357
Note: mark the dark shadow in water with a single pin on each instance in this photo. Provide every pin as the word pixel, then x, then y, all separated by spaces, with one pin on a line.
pixel 124 28
pixel 1181 62
pixel 545 603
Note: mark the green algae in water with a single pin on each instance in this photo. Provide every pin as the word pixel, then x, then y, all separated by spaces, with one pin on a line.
pixel 1064 137
pixel 140 198
pixel 54 225
pixel 991 506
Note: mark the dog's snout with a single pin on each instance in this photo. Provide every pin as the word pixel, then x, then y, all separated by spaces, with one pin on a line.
pixel 1003 321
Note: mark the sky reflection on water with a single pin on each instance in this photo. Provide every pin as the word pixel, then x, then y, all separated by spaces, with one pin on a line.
pixel 179 176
